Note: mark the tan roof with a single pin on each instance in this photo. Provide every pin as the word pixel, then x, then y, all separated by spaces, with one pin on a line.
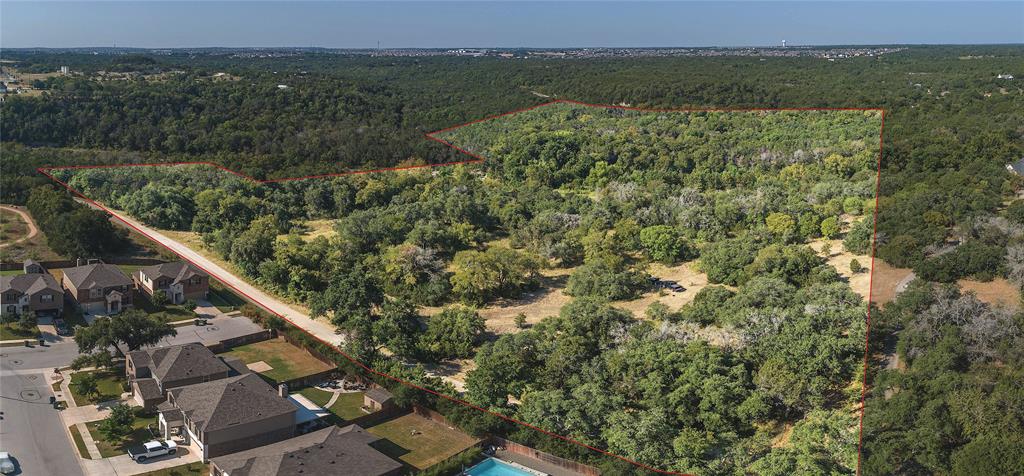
pixel 178 271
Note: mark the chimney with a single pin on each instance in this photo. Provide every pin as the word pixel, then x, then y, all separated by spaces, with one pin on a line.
pixel 282 390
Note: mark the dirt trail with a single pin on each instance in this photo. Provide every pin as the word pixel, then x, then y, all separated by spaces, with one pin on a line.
pixel 32 230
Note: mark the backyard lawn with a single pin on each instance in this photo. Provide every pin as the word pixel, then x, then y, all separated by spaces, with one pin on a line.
pixel 347 407
pixel 139 436
pixel 223 299
pixel 286 361
pixel 420 442
pixel 108 382
pixel 13 331
pixel 317 396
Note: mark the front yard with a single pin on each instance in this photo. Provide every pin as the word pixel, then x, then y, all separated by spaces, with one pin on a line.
pixel 281 361
pixel 171 312
pixel 141 434
pixel 191 469
pixel 109 384
pixel 420 442
pixel 13 331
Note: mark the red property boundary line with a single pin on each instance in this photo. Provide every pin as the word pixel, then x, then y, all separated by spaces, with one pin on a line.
pixel 475 159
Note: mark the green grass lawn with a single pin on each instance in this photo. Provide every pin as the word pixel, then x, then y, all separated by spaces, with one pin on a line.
pixel 191 469
pixel 171 312
pixel 14 331
pixel 223 299
pixel 347 407
pixel 79 442
pixel 11 272
pixel 288 361
pixel 420 442
pixel 108 382
pixel 316 395
pixel 141 434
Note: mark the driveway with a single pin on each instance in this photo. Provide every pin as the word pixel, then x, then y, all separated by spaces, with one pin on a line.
pixel 323 330
pixel 31 430
pixel 123 465
pixel 216 329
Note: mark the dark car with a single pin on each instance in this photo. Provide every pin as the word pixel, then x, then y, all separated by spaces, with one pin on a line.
pixel 62 327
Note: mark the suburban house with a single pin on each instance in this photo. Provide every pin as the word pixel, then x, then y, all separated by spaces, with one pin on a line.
pixel 228 415
pixel 332 450
pixel 377 399
pixel 36 291
pixel 179 280
pixel 98 288
pixel 152 372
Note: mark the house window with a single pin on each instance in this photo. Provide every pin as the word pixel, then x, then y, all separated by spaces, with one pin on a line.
pixel 96 292
pixel 46 298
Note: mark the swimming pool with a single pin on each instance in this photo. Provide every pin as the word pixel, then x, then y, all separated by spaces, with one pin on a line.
pixel 496 467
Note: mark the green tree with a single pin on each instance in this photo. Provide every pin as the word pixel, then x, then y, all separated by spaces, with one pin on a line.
pixel 664 243
pixel 497 272
pixel 254 245
pixel 130 328
pixel 781 225
pixel 88 386
pixel 118 424
pixel 830 228
pixel 453 333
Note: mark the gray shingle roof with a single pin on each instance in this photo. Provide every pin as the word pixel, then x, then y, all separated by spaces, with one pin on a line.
pixel 331 450
pixel 148 388
pixel 379 395
pixel 96 275
pixel 171 363
pixel 230 402
pixel 178 271
pixel 29 283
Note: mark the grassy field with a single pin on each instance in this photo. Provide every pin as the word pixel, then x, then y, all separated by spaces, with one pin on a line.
pixel 141 434
pixel 79 442
pixel 108 382
pixel 14 331
pixel 191 469
pixel 317 396
pixel 420 442
pixel 12 228
pixel 288 361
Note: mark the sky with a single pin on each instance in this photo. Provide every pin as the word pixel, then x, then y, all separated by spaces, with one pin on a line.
pixel 426 24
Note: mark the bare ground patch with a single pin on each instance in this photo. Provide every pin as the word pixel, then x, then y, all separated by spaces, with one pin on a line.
pixel 998 292
pixel 885 281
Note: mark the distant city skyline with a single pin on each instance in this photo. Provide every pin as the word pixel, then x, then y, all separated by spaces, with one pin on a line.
pixel 504 24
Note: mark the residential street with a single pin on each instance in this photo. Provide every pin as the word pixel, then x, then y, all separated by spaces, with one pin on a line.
pixel 31 430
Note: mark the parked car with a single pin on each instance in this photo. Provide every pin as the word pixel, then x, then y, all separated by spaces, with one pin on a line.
pixel 6 463
pixel 152 449
pixel 62 327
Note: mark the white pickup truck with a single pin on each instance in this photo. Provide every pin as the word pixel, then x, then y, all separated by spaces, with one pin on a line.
pixel 152 449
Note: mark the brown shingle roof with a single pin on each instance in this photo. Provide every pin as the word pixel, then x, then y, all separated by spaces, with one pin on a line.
pixel 331 450
pixel 29 283
pixel 178 271
pixel 96 275
pixel 172 363
pixel 230 402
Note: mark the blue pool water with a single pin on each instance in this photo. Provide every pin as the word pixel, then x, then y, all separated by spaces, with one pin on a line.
pixel 493 467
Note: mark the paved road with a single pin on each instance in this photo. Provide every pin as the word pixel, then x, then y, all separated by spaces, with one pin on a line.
pixel 323 330
pixel 219 328
pixel 31 430
pixel 32 230
pixel 22 360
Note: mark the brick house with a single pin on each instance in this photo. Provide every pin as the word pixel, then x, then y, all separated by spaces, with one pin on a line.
pixel 228 415
pixel 99 288
pixel 179 280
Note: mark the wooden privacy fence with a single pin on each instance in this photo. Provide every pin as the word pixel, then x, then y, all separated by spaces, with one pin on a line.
pixel 569 465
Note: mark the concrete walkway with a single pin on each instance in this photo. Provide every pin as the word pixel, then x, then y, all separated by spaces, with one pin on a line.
pixel 90 444
pixel 320 329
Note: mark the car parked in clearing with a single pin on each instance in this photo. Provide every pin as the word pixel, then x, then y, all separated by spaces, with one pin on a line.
pixel 152 449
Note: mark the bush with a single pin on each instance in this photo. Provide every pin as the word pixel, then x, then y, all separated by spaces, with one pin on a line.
pixel 855 266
